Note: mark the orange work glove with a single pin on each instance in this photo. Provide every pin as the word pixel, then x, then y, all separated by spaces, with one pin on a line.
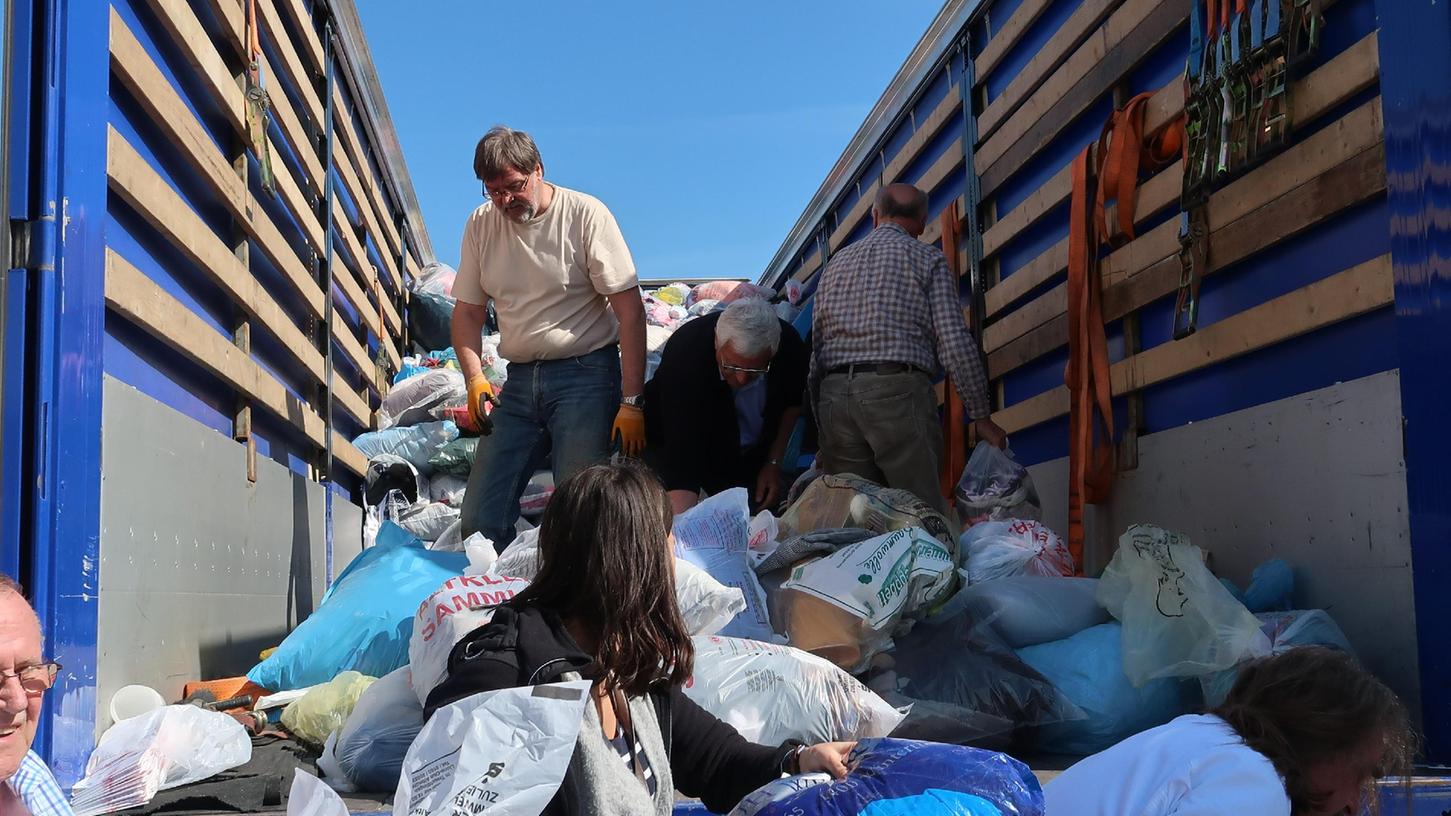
pixel 480 391
pixel 630 430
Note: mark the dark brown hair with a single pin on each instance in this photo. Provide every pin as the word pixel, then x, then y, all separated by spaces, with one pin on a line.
pixel 605 561
pixel 1313 705
pixel 502 148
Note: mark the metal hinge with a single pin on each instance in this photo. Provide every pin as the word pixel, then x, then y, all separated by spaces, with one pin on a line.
pixel 32 244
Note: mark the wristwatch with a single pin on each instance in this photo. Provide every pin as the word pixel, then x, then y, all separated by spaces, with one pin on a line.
pixel 633 401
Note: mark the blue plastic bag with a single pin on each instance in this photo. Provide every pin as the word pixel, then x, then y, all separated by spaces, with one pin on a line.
pixel 415 443
pixel 1286 630
pixel 366 617
pixel 888 777
pixel 1089 669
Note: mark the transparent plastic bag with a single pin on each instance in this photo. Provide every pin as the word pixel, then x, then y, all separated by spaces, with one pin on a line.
pixel 995 487
pixel 714 535
pixel 850 501
pixel 387 473
pixel 371 745
pixel 455 458
pixel 772 693
pixel 324 709
pixel 847 606
pixel 417 443
pixel 420 399
pixel 1026 610
pixel 1001 549
pixel 1178 620
pixel 970 677
pixel 436 278
pixel 887 777
pixel 162 749
pixel 448 489
pixel 428 521
pixel 1286 630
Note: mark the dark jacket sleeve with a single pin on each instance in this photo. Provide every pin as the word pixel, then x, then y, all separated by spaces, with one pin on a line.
pixel 487 659
pixel 678 407
pixel 711 761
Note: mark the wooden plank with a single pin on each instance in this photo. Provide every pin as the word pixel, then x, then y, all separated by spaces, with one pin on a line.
pixel 946 111
pixel 1355 181
pixel 355 187
pixel 1006 37
pixel 808 267
pixel 297 75
pixel 853 217
pixel 134 67
pixel 1349 73
pixel 1069 36
pixel 951 159
pixel 312 44
pixel 367 179
pixel 347 277
pixel 298 137
pixel 136 182
pixel 1131 33
pixel 195 44
pixel 1353 292
pixel 138 299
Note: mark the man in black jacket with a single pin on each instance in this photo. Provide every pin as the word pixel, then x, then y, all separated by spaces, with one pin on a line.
pixel 723 404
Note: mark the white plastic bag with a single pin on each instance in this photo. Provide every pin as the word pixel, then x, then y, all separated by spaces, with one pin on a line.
pixel 772 693
pixel 521 558
pixel 455 609
pixel 447 489
pixel 370 747
pixel 421 398
pixel 846 606
pixel 309 796
pixel 162 749
pixel 500 751
pixel 1178 620
pixel 428 521
pixel 714 536
pixel 1002 549
pixel 995 487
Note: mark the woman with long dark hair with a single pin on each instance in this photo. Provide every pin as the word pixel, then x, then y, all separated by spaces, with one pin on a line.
pixel 603 608
pixel 1306 732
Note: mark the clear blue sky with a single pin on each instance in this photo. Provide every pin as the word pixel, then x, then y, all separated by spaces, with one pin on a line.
pixel 705 126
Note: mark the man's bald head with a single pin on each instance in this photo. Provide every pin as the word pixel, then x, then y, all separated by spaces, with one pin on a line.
pixel 904 205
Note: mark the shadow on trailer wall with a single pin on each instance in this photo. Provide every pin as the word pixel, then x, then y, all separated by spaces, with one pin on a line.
pixel 212 300
pixel 1283 426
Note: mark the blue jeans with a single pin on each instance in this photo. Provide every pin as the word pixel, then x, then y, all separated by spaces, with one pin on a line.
pixel 566 407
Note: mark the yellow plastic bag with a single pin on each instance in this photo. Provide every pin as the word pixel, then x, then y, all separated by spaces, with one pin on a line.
pixel 324 709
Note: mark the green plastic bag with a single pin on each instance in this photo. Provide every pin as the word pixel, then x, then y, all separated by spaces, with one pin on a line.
pixel 323 709
pixel 456 458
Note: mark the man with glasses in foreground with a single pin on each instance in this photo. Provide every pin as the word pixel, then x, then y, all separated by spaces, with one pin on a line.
pixel 887 317
pixel 571 325
pixel 25 676
pixel 723 403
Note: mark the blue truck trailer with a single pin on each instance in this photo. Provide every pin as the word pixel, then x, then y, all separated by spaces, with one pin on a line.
pixel 209 233
pixel 1304 419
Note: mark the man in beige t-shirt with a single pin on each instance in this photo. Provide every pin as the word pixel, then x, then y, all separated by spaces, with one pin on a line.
pixel 571 325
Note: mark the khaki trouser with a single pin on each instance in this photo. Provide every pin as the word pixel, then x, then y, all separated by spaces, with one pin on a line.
pixel 883 428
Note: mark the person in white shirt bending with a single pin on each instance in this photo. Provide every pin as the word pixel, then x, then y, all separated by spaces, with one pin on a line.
pixel 1304 732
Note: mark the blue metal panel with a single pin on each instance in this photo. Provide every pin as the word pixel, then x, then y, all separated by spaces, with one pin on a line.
pixel 932 151
pixel 1162 66
pixel 1415 58
pixel 1025 247
pixel 66 504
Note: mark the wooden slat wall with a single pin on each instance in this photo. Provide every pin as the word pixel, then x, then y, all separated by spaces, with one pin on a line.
pixel 1092 55
pixel 209 37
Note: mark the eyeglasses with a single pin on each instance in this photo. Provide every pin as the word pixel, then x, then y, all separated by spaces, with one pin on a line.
pixel 35 680
pixel 512 190
pixel 754 372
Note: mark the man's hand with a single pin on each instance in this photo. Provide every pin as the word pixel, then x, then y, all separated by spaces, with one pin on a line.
pixel 825 757
pixel 989 430
pixel 480 392
pixel 630 430
pixel 769 486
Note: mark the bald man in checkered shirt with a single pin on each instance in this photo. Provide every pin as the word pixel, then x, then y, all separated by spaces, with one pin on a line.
pixel 886 320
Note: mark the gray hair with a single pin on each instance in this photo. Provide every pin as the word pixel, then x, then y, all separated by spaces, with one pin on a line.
pixel 750 327
pixel 502 148
pixel 9 586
